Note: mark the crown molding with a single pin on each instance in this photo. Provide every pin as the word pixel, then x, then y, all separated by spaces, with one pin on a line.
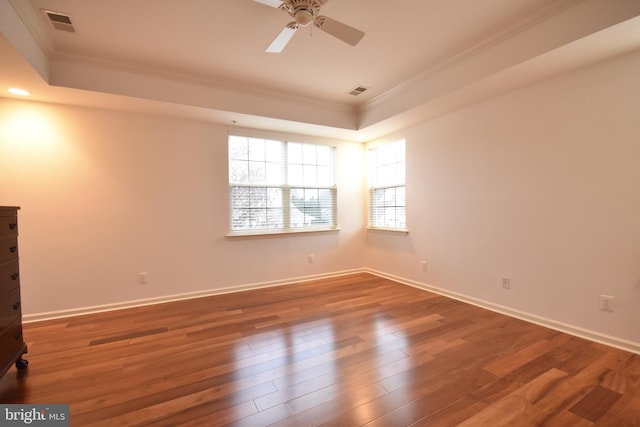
pixel 212 82
pixel 477 49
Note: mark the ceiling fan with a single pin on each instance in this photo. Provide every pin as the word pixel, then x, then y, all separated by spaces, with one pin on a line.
pixel 305 12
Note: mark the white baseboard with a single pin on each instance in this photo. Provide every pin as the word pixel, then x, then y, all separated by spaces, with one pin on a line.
pixel 626 345
pixel 29 318
pixel 611 341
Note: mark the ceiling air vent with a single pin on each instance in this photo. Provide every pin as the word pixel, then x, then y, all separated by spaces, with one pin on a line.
pixel 60 21
pixel 358 90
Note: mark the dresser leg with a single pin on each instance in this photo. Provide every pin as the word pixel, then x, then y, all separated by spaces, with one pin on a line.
pixel 22 364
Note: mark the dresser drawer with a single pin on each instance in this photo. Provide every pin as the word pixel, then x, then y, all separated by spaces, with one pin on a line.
pixel 9 276
pixel 8 248
pixel 10 308
pixel 8 226
pixel 11 341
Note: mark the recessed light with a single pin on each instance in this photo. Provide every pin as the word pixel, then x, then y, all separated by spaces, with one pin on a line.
pixel 19 92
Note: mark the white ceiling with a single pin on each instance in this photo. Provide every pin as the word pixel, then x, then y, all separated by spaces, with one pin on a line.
pixel 205 58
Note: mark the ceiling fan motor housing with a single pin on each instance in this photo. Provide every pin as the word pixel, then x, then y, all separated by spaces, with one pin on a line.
pixel 303 11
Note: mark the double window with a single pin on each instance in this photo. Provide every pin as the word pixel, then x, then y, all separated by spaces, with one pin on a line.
pixel 387 191
pixel 280 186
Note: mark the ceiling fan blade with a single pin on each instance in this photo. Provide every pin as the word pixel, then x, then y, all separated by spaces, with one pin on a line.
pixel 283 38
pixel 272 3
pixel 339 30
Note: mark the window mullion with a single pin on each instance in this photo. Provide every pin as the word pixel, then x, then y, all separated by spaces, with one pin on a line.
pixel 286 210
pixel 286 189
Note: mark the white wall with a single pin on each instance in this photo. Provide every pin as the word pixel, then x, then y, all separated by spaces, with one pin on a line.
pixel 541 185
pixel 105 195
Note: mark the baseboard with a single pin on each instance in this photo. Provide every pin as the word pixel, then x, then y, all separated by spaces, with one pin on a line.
pixel 626 345
pixel 611 341
pixel 30 318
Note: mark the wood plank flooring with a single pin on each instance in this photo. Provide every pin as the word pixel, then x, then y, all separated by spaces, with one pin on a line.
pixel 348 351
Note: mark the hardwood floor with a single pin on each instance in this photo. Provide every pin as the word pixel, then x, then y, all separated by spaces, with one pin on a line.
pixel 348 351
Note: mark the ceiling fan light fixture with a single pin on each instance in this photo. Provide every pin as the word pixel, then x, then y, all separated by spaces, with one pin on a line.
pixel 303 17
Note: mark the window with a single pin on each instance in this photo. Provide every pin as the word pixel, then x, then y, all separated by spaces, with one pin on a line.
pixel 387 193
pixel 278 186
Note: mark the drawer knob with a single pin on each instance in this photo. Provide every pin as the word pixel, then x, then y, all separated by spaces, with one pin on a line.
pixel 18 335
pixel 14 276
pixel 13 249
pixel 16 306
pixel 13 226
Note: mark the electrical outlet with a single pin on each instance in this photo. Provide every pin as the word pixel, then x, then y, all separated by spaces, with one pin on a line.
pixel 311 258
pixel 607 303
pixel 142 278
pixel 424 265
pixel 506 283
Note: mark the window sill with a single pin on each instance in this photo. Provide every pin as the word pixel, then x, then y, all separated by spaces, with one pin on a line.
pixel 278 233
pixel 404 231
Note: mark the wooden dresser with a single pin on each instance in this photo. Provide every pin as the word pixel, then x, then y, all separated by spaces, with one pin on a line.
pixel 12 345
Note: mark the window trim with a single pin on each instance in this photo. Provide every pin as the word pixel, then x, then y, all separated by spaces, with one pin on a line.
pixel 287 229
pixel 404 231
pixel 265 233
